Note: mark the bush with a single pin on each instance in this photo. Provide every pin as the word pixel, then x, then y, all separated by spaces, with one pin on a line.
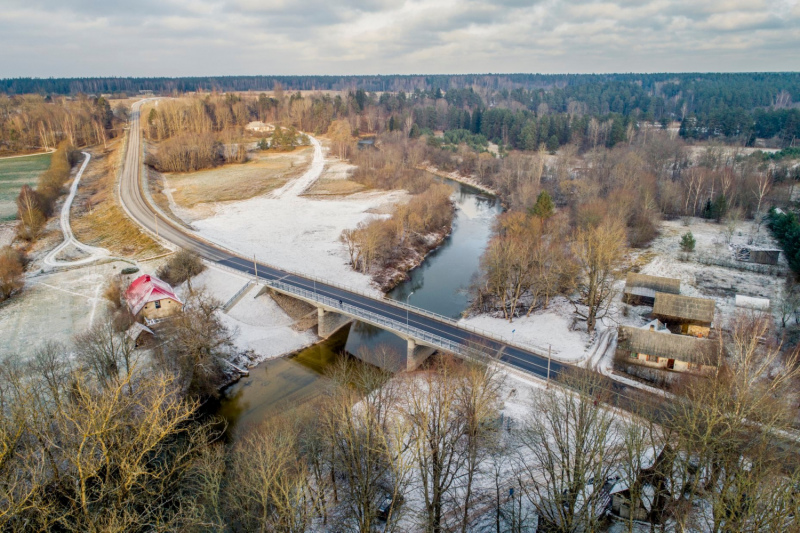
pixel 129 270
pixel 182 266
pixel 687 242
pixel 11 272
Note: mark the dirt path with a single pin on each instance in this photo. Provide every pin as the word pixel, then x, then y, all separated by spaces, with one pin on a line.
pixel 298 186
pixel 95 253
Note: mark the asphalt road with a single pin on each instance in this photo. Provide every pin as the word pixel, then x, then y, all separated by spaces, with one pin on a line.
pixel 134 202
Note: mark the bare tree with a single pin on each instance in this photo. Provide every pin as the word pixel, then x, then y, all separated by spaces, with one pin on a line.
pixel 600 253
pixel 570 448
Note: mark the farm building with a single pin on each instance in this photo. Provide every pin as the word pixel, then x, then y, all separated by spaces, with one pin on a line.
pixel 684 314
pixel 644 495
pixel 661 349
pixel 640 289
pixel 756 254
pixel 150 298
pixel 140 335
pixel 259 127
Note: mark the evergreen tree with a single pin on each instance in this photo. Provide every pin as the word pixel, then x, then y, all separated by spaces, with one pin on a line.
pixel 687 242
pixel 544 207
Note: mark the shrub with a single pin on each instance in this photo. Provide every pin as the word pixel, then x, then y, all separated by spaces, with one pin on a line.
pixel 687 242
pixel 11 272
pixel 129 270
pixel 182 266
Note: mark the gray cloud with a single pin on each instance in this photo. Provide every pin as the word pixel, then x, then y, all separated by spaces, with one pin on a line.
pixel 223 37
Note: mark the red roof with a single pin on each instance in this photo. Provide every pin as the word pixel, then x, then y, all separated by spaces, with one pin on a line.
pixel 146 289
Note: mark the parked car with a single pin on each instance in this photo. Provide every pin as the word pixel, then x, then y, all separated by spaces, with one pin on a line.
pixel 387 504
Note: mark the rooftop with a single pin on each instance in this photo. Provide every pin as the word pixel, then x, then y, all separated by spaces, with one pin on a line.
pixel 681 347
pixel 686 308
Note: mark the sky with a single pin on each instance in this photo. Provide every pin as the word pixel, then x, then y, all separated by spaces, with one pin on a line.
pixel 76 38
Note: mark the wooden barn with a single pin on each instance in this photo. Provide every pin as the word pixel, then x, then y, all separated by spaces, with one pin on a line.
pixel 685 314
pixel 641 289
pixel 151 298
pixel 661 349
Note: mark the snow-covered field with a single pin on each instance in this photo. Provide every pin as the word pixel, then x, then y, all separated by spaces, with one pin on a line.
pixel 260 324
pixel 295 232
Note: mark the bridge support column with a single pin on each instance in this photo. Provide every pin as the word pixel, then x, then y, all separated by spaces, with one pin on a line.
pixel 330 322
pixel 416 354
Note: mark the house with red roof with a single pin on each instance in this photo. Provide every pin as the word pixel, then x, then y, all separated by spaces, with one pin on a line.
pixel 151 298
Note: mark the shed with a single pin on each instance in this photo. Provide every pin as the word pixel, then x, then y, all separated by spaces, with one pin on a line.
pixel 752 303
pixel 758 254
pixel 641 289
pixel 658 349
pixel 685 314
pixel 139 334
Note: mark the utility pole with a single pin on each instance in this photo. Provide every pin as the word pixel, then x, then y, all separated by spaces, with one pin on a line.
pixel 549 346
pixel 155 217
pixel 255 266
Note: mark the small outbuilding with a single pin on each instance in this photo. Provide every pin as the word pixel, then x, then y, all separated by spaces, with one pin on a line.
pixel 751 303
pixel 151 298
pixel 662 349
pixel 757 254
pixel 685 314
pixel 140 335
pixel 641 289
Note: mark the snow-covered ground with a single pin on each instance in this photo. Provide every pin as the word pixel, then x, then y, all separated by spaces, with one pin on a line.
pixel 295 232
pixel 541 330
pixel 260 324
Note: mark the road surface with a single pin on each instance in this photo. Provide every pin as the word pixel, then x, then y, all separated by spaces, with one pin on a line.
pixel 138 207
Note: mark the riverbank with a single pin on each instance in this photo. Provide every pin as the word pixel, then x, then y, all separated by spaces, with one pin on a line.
pixel 455 176
pixel 409 258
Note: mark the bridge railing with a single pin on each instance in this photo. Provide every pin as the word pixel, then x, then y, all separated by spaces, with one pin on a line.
pixel 418 310
pixel 398 326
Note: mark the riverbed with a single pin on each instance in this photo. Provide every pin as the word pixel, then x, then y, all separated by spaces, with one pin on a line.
pixel 440 284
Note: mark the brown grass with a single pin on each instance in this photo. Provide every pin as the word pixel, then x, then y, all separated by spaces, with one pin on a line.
pixel 335 187
pixel 266 172
pixel 97 218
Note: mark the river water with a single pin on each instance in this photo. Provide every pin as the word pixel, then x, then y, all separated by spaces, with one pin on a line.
pixel 440 284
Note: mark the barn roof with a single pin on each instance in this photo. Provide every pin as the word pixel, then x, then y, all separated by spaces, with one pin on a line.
pixel 644 285
pixel 680 347
pixel 146 289
pixel 686 308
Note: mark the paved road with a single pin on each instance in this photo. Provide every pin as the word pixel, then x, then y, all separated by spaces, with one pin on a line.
pixel 138 207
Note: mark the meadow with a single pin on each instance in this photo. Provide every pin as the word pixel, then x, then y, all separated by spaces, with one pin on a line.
pixel 14 173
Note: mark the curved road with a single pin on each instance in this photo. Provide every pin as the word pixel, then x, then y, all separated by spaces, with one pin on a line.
pixel 135 203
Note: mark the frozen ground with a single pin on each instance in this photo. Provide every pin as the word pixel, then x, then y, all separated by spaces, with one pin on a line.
pixel 54 307
pixel 260 324
pixel 711 281
pixel 549 328
pixel 295 232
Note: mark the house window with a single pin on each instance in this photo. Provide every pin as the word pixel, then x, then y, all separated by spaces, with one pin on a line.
pixel 158 304
pixel 652 359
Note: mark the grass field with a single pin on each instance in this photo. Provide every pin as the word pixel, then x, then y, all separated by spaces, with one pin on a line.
pixel 14 173
pixel 265 172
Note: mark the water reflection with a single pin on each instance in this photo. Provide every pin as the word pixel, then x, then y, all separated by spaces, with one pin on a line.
pixel 440 285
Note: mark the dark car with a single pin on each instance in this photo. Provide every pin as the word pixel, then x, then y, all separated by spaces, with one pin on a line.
pixel 387 504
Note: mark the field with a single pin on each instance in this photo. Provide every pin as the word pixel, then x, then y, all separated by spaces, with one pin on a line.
pixel 14 173
pixel 96 217
pixel 264 173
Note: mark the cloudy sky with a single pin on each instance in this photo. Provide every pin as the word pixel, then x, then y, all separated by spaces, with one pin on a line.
pixel 226 37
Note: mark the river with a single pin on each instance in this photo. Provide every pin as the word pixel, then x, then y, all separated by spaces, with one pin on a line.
pixel 440 284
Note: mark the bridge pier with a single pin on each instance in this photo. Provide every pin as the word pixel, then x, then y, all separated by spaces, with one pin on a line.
pixel 416 354
pixel 329 322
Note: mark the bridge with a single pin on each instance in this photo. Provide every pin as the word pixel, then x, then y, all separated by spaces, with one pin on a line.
pixel 424 331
